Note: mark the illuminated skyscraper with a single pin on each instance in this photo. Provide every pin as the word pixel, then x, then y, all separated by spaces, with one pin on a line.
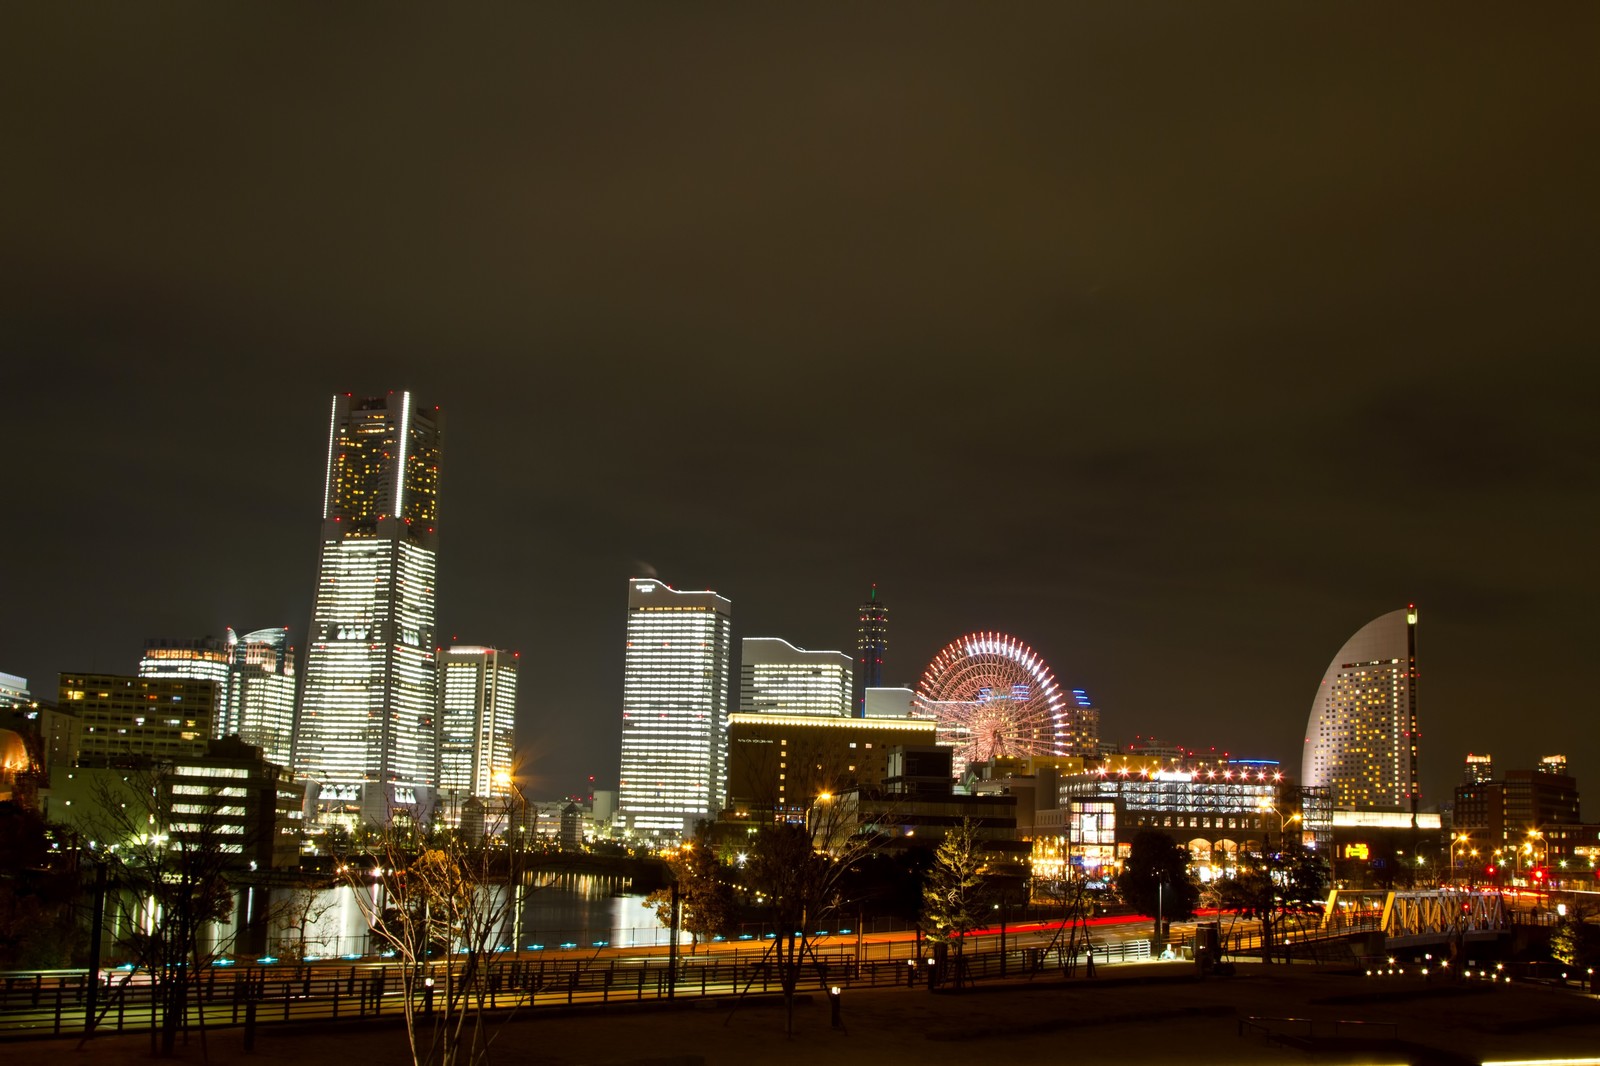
pixel 260 703
pixel 1477 770
pixel 674 707
pixel 872 643
pixel 366 730
pixel 205 659
pixel 1362 736
pixel 477 719
pixel 775 677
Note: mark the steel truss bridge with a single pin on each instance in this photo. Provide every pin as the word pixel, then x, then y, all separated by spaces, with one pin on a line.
pixel 1416 918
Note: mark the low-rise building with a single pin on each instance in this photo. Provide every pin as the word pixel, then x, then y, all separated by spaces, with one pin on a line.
pixel 779 764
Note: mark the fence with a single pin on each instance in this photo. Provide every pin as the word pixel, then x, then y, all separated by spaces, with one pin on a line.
pixel 55 1002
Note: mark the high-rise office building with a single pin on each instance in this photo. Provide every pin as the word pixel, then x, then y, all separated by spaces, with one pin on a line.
pixel 132 718
pixel 1362 735
pixel 1477 769
pixel 261 683
pixel 872 643
pixel 366 731
pixel 477 721
pixel 205 659
pixel 674 707
pixel 775 677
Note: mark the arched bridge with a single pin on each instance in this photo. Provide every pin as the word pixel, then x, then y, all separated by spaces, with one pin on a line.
pixel 1415 918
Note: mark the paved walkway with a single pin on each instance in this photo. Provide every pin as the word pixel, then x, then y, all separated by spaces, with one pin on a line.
pixel 1152 1013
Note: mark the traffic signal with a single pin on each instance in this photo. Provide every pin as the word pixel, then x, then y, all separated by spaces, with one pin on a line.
pixel 1489 870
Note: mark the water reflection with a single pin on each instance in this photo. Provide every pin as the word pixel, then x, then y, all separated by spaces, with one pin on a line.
pixel 566 911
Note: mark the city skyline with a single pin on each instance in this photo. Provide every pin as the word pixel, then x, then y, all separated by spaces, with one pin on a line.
pixel 1178 346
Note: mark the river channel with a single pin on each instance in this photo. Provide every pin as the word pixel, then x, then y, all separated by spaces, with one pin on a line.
pixel 566 912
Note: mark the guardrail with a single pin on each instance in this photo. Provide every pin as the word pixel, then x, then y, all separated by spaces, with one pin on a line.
pixel 56 1002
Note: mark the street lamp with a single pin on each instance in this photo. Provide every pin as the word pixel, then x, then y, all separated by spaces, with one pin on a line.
pixel 1283 820
pixel 1459 845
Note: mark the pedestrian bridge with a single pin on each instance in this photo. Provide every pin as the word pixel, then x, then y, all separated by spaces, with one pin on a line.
pixel 1415 918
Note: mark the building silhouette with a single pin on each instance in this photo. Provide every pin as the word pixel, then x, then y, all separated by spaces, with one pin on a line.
pixel 1362 735
pixel 775 677
pixel 365 732
pixel 675 695
pixel 872 643
pixel 778 764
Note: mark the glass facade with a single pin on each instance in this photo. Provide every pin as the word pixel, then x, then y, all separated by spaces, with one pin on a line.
pixel 367 713
pixel 674 707
pixel 477 717
pixel 205 659
pixel 261 683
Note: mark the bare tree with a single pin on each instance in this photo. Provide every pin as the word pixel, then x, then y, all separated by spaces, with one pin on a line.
pixel 171 882
pixel 439 906
pixel 302 911
pixel 798 871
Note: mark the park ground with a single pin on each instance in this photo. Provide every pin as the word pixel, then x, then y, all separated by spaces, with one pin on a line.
pixel 1138 1013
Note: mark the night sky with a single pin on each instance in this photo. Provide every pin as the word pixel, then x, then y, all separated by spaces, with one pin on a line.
pixel 1178 341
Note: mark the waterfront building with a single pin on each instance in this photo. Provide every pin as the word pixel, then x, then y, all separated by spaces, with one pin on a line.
pixel 1362 736
pixel 779 763
pixel 259 709
pixel 366 732
pixel 477 721
pixel 872 644
pixel 139 717
pixel 224 797
pixel 675 694
pixel 775 677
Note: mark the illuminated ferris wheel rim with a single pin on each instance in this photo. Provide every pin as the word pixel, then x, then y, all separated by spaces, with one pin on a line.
pixel 972 689
pixel 971 649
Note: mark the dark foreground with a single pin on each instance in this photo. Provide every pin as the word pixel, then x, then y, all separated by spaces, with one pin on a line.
pixel 1154 1013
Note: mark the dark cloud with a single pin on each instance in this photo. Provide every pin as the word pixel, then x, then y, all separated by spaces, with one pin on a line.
pixel 1179 344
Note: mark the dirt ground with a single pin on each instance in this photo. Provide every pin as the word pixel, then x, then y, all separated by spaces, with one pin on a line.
pixel 1136 1014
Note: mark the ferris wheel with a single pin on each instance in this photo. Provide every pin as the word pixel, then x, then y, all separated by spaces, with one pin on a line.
pixel 992 696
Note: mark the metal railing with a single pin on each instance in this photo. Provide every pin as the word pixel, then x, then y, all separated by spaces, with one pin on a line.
pixel 56 1002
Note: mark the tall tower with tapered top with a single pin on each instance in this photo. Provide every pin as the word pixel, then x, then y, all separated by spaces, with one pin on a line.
pixel 872 643
pixel 365 730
